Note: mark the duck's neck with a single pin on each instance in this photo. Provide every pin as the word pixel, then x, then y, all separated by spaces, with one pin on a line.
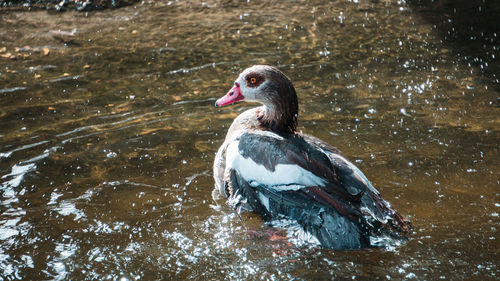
pixel 279 118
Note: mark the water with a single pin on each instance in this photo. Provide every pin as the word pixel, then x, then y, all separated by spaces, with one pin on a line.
pixel 108 133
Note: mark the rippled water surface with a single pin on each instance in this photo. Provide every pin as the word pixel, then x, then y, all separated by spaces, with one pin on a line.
pixel 108 133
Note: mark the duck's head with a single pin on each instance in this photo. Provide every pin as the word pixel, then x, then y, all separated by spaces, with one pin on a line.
pixel 270 87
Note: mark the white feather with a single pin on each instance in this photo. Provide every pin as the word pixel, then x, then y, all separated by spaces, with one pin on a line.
pixel 284 177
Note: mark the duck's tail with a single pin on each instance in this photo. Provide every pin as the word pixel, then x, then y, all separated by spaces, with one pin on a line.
pixel 390 217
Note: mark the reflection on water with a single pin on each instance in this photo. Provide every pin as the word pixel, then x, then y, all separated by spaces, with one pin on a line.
pixel 108 134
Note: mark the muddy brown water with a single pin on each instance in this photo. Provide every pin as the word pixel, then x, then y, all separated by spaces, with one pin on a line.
pixel 108 133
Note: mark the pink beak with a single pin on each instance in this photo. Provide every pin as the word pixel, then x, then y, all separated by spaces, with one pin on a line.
pixel 232 96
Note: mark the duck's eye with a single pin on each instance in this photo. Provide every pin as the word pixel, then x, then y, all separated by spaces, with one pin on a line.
pixel 254 79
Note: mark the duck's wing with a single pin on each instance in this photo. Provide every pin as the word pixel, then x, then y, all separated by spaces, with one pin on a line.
pixel 307 172
pixel 353 180
pixel 291 166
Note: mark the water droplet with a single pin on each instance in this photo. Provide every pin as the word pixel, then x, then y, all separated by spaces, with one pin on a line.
pixel 111 154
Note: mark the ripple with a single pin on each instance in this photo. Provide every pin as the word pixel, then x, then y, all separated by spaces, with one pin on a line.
pixel 24 147
pixel 17 174
pixel 11 90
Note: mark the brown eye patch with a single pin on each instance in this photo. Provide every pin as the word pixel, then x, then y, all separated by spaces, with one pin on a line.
pixel 254 79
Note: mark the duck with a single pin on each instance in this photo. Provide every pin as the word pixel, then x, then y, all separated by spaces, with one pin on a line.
pixel 266 167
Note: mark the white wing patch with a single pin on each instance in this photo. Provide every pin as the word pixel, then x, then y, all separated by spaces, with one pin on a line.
pixel 284 177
